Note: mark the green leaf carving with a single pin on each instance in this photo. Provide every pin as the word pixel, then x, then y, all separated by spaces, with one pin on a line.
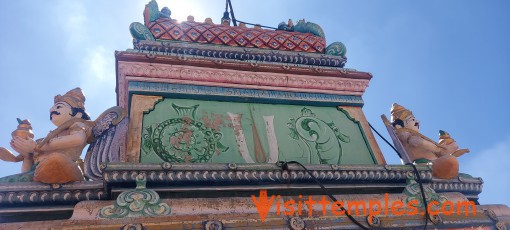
pixel 323 136
pixel 136 203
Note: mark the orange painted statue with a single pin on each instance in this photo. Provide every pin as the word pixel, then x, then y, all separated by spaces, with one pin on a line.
pixel 54 159
pixel 442 155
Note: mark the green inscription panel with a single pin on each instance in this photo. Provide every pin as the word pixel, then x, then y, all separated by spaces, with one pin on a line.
pixel 197 131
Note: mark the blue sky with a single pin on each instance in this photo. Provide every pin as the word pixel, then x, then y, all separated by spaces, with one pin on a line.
pixel 447 61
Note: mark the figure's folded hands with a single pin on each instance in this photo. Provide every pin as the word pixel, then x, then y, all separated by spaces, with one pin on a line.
pixel 23 146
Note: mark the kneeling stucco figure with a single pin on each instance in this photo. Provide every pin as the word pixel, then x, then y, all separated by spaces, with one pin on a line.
pixel 54 159
pixel 442 155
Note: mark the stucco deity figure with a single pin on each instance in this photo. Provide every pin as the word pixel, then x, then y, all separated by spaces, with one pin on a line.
pixel 54 159
pixel 442 155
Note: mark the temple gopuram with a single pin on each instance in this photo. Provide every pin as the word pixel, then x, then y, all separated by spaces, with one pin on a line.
pixel 235 126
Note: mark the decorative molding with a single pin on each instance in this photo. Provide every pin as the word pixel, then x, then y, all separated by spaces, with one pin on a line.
pixel 239 53
pixel 469 187
pixel 242 77
pixel 133 227
pixel 213 225
pixel 436 219
pixel 239 212
pixel 139 105
pixel 491 214
pixel 374 221
pixel 140 202
pixel 244 174
pixel 273 67
pixel 35 194
pixel 257 175
pixel 242 95
pixel 296 223
pixel 501 226
pixel 269 77
pixel 214 172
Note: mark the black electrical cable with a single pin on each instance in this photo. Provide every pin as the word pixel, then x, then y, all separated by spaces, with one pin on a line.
pixel 387 142
pixel 232 13
pixel 284 165
pixel 234 20
pixel 418 177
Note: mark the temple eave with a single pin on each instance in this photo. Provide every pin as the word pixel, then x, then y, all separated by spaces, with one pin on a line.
pixel 220 63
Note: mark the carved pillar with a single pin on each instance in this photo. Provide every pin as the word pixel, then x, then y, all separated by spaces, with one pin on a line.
pixel 139 105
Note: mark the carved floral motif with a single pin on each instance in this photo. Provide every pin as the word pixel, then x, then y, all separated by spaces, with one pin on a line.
pixel 323 139
pixel 138 202
pixel 183 139
pixel 414 195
